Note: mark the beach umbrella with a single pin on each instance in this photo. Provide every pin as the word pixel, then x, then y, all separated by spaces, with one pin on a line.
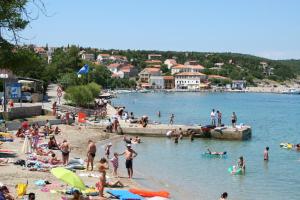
pixel 68 177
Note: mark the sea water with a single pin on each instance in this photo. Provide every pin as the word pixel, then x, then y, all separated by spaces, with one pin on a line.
pixel 182 170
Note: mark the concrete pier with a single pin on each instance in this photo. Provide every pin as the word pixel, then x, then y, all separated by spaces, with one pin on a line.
pixel 160 130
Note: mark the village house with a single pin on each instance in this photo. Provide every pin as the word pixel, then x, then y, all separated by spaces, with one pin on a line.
pixel 156 82
pixel 186 68
pixel 129 70
pixel 118 59
pixel 41 51
pixel 189 80
pixel 170 63
pixel 103 57
pixel 169 82
pixel 267 70
pixel 88 57
pixel 122 70
pixel 145 74
pixel 238 85
pixel 154 56
pixel 153 62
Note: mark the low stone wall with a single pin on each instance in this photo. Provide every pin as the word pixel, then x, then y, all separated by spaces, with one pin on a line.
pixel 11 126
pixel 22 112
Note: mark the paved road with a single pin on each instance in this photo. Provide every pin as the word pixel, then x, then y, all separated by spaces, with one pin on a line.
pixel 52 97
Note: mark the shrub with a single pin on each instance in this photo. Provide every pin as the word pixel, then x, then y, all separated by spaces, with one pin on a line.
pixel 82 95
pixel 94 88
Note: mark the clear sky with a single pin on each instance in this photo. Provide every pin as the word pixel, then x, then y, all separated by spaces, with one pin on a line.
pixel 268 28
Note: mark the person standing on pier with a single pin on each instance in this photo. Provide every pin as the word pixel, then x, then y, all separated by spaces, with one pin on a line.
pixel 233 119
pixel 172 119
pixel 129 155
pixel 219 115
pixel 213 117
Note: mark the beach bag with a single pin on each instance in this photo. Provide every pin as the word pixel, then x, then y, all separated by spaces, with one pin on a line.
pixel 21 189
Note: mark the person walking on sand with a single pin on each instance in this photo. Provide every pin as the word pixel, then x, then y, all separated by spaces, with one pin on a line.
pixel 213 117
pixel 233 119
pixel 266 154
pixel 107 150
pixel 129 155
pixel 219 115
pixel 65 151
pixel 91 153
pixel 172 119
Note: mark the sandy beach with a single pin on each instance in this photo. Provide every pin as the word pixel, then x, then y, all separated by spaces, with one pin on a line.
pixel 77 137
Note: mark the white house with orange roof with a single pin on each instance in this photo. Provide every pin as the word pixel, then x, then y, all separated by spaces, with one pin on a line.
pixel 186 68
pixel 145 74
pixel 189 80
pixel 170 63
pixel 102 57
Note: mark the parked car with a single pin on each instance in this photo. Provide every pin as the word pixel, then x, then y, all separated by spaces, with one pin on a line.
pixel 26 97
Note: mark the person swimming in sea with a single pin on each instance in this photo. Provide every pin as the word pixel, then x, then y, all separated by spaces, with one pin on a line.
pixel 216 153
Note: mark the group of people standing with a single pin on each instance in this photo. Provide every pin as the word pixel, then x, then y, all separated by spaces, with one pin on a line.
pixel 129 154
pixel 216 118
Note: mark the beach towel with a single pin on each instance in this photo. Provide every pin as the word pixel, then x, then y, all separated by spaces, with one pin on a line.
pixel 124 195
pixel 21 189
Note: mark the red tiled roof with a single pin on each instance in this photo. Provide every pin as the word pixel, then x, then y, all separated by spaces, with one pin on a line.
pixel 179 66
pixel 152 61
pixel 155 66
pixel 195 66
pixel 168 77
pixel 150 69
pixel 104 54
pixel 217 77
pixel 190 74
pixel 113 65
pixel 114 75
pixel 124 69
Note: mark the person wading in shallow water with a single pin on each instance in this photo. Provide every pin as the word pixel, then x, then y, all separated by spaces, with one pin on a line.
pixel 266 154
pixel 172 119
pixel 129 155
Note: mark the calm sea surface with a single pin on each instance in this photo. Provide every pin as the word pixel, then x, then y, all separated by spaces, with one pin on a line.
pixel 187 175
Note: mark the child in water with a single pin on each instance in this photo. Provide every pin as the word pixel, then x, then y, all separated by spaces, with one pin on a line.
pixel 115 163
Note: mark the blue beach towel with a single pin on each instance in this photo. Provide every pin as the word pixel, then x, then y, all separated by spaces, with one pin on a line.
pixel 124 195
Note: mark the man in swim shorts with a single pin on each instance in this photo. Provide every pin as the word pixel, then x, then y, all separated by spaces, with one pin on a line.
pixel 91 153
pixel 129 155
pixel 65 151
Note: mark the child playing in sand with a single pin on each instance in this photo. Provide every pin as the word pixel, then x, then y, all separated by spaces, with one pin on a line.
pixel 115 163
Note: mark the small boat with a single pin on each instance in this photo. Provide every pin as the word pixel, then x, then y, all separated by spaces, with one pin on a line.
pixel 144 91
pixel 291 91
